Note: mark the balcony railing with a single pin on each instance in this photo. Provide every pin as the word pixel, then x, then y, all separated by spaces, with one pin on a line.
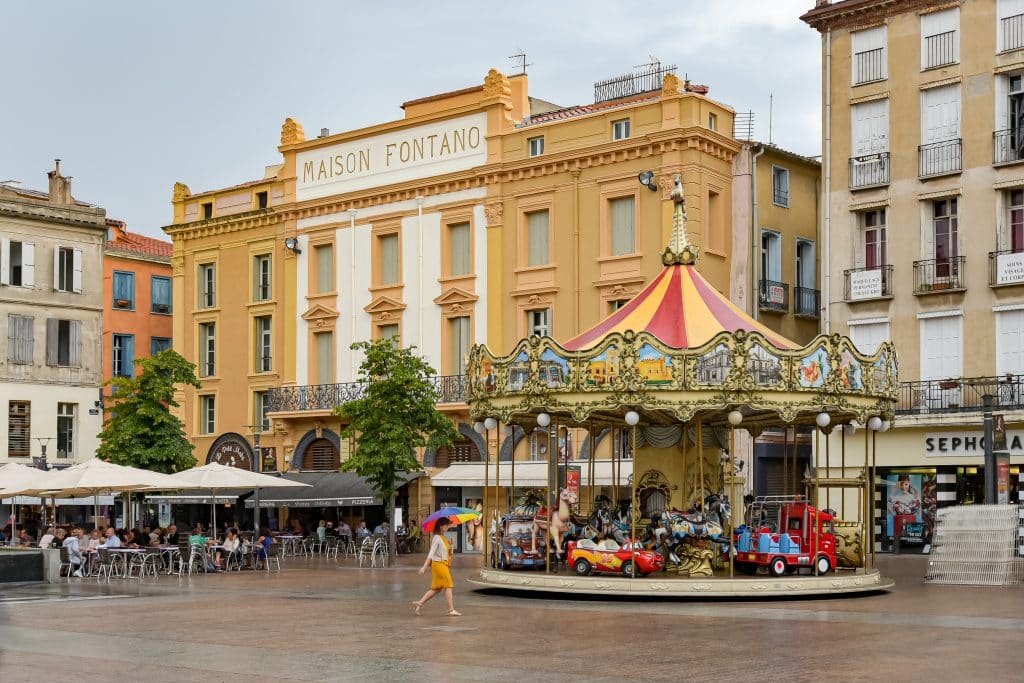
pixel 450 389
pixel 940 49
pixel 774 296
pixel 1008 146
pixel 806 302
pixel 936 276
pixel 870 170
pixel 1013 32
pixel 869 66
pixel 1005 267
pixel 960 395
pixel 864 284
pixel 780 196
pixel 940 158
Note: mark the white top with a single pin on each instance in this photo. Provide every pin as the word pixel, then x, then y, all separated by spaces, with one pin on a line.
pixel 231 545
pixel 438 551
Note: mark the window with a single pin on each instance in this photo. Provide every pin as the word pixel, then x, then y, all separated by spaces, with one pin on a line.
pixel 325 358
pixel 869 164
pixel 388 332
pixel 873 239
pixel 259 410
pixel 712 121
pixel 715 222
pixel 207 414
pixel 940 130
pixel 158 344
pixel 17 263
pixel 207 349
pixel 1015 221
pixel 616 304
pixel 1010 342
pixel 19 429
pixel 160 294
pixel 66 414
pixel 261 277
pixel 458 249
pixel 771 256
pixel 940 40
pixel 1009 135
pixel 1010 27
pixel 780 186
pixel 20 339
pixel 67 270
pixel 123 364
pixel 869 55
pixel 944 235
pixel 942 347
pixel 458 344
pixel 207 285
pixel 536 145
pixel 538 238
pixel 538 323
pixel 866 336
pixel 623 225
pixel 124 290
pixel 263 344
pixel 324 268
pixel 389 263
pixel 207 210
pixel 63 343
pixel 805 264
pixel 261 200
pixel 620 129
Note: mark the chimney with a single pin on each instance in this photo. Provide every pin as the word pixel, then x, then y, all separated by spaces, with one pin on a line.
pixel 60 187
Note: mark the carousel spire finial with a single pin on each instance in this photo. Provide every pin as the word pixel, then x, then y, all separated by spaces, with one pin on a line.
pixel 679 250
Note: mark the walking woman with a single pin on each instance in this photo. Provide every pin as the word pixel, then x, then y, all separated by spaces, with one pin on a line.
pixel 439 560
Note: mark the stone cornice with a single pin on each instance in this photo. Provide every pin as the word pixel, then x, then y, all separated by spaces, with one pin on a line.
pixel 55 213
pixel 852 14
pixel 221 225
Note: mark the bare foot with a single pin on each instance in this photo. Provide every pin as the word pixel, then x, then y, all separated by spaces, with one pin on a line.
pixel 417 606
pixel 453 613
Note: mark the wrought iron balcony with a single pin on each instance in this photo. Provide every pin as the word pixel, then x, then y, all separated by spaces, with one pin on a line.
pixel 1008 146
pixel 871 170
pixel 941 158
pixel 940 49
pixel 864 284
pixel 869 66
pixel 774 296
pixel 806 302
pixel 450 389
pixel 938 276
pixel 1012 29
pixel 1005 268
pixel 960 395
pixel 780 196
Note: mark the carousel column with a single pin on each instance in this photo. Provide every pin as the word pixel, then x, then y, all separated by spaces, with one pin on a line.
pixel 512 468
pixel 497 484
pixel 823 420
pixel 735 419
pixel 544 422
pixel 866 504
pixel 491 425
pixel 700 464
pixel 481 429
pixel 632 418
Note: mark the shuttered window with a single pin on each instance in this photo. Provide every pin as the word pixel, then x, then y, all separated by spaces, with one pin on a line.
pixel 322 455
pixel 67 270
pixel 623 225
pixel 19 428
pixel 160 294
pixel 20 339
pixel 458 245
pixel 124 290
pixel 123 361
pixel 538 239
pixel 389 261
pixel 63 343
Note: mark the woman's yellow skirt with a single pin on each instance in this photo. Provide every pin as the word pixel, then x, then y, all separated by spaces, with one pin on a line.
pixel 440 576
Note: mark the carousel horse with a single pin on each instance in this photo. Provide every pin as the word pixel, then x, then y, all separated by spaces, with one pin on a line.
pixel 604 524
pixel 681 525
pixel 554 522
pixel 718 509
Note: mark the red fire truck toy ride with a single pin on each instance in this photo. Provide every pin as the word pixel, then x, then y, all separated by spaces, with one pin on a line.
pixel 805 538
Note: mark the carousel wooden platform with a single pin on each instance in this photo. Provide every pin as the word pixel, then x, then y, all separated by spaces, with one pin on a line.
pixel 710 588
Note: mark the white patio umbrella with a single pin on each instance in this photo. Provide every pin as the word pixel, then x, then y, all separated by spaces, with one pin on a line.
pixel 216 477
pixel 14 478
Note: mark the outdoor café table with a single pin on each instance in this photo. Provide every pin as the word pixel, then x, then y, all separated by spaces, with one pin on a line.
pixel 289 543
pixel 125 555
pixel 167 553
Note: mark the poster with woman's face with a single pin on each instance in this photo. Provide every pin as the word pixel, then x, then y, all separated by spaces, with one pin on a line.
pixel 902 502
pixel 474 530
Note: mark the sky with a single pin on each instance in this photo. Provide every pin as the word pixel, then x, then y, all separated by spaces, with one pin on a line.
pixel 134 96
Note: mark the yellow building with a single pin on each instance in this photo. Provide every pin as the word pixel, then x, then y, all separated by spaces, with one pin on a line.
pixel 482 216
pixel 922 105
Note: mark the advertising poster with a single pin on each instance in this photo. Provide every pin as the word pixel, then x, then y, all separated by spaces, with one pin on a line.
pixel 474 529
pixel 903 502
pixel 1002 478
pixel 573 476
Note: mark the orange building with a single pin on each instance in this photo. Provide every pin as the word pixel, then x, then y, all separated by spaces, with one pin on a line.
pixel 137 299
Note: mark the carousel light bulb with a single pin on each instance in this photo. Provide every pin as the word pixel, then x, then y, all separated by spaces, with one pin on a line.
pixel 543 419
pixel 849 429
pixel 885 426
pixel 490 423
pixel 478 427
pixel 875 423
pixel 632 418
pixel 735 418
pixel 823 419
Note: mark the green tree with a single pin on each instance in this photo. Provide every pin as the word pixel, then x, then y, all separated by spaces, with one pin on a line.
pixel 142 431
pixel 396 415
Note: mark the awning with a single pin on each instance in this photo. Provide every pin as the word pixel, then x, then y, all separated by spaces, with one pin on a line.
pixel 530 474
pixel 32 500
pixel 194 497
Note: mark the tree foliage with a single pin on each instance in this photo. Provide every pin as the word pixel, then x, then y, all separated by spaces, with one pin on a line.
pixel 396 415
pixel 142 431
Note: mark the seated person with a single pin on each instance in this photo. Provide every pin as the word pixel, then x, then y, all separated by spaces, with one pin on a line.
pixel 47 539
pixel 25 539
pixel 343 530
pixel 112 540
pixel 72 543
pixel 362 531
pixel 321 531
pixel 171 535
pixel 94 540
pixel 199 540
pixel 232 547
pixel 263 543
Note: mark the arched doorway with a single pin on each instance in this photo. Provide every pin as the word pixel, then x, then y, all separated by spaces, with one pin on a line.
pixel 322 454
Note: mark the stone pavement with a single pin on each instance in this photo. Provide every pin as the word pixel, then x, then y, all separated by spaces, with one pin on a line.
pixel 325 620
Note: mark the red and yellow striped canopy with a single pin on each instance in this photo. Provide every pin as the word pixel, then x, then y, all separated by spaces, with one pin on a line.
pixel 681 309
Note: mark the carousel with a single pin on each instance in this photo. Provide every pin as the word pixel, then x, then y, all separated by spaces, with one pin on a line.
pixel 677 384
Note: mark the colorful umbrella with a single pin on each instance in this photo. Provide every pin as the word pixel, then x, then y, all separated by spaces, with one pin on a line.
pixel 456 515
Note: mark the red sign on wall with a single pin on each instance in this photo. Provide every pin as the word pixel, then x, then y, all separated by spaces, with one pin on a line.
pixel 573 475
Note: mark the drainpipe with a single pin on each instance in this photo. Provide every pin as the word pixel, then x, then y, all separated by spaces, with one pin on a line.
pixel 576 246
pixel 419 273
pixel 352 286
pixel 755 243
pixel 826 164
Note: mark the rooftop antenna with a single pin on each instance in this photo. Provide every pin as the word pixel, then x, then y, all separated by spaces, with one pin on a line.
pixel 652 61
pixel 521 63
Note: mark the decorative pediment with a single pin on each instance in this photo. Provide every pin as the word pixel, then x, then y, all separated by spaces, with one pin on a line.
pixel 384 307
pixel 320 312
pixel 456 297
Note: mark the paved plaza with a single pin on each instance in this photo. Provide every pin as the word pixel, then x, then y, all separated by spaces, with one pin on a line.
pixel 324 620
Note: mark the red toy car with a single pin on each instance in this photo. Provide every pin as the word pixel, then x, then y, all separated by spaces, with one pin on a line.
pixel 608 556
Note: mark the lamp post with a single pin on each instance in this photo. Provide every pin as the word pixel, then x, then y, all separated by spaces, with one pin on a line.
pixel 40 463
pixel 257 465
pixel 989 402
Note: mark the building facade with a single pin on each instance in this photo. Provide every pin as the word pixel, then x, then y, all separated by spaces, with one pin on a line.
pixel 138 305
pixel 922 183
pixel 482 216
pixel 51 303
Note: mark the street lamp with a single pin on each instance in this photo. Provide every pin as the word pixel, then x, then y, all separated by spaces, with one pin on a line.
pixel 256 430
pixel 989 402
pixel 40 463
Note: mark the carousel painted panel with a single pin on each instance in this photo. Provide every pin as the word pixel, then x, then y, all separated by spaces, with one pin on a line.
pixel 603 369
pixel 713 366
pixel 814 368
pixel 763 366
pixel 654 366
